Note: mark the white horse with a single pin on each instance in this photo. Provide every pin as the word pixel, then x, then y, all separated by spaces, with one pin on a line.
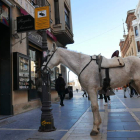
pixel 89 78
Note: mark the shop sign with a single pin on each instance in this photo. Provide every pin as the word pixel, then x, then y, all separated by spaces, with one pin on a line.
pixel 35 38
pixel 4 14
pixel 25 23
pixel 42 18
pixel 27 6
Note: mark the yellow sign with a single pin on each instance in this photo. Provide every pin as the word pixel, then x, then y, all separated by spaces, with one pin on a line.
pixel 42 18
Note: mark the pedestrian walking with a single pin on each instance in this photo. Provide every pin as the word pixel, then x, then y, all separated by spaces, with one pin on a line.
pixel 84 93
pixel 38 83
pixel 77 90
pixel 60 88
pixel 124 91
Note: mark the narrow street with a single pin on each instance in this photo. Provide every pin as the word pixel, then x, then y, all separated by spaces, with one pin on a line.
pixel 74 121
pixel 25 126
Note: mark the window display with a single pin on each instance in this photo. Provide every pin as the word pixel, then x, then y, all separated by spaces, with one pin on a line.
pixel 21 71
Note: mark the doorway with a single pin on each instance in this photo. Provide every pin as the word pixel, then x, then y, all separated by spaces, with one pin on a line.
pixel 5 71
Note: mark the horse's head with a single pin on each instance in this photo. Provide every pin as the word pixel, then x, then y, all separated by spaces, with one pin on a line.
pixel 53 58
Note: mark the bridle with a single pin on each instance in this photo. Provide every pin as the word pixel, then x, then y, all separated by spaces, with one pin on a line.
pixel 46 65
pixel 50 57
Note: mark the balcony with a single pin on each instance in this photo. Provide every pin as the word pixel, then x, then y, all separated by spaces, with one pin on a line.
pixel 63 34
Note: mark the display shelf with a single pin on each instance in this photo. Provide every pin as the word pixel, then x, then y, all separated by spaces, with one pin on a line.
pixel 21 69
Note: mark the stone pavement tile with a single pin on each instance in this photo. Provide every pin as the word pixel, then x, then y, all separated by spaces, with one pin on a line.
pixel 117 139
pixel 18 134
pixel 131 127
pixel 114 120
pixel 128 120
pixel 54 135
pixel 83 138
pixel 133 139
pixel 123 135
pixel 115 127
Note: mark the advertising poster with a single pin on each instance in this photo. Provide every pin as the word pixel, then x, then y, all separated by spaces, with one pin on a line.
pixel 4 14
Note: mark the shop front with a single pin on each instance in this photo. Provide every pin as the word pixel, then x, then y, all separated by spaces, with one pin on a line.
pixel 35 54
pixel 5 61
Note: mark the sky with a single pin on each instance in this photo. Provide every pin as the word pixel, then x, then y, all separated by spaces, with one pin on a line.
pixel 98 25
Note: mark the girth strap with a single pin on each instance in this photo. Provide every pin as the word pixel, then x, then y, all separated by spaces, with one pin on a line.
pixel 85 67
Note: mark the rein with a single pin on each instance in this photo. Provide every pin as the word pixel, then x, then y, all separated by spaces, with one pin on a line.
pixel 85 67
pixel 51 57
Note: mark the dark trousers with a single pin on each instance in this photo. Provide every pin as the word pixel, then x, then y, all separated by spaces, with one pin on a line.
pixel 133 91
pixel 106 97
pixel 62 96
pixel 101 96
pixel 40 95
pixel 85 94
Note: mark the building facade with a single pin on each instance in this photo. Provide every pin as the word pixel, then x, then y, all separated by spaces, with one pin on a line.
pixel 136 28
pixel 21 52
pixel 127 44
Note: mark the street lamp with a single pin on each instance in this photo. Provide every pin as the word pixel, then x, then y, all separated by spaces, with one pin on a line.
pixel 47 121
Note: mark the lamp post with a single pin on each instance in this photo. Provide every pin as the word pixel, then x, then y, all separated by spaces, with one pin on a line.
pixel 47 121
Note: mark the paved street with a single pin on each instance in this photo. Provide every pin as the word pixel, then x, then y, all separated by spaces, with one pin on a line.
pixel 74 121
pixel 25 126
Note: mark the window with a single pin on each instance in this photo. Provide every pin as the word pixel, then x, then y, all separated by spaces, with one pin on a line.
pixel 138 46
pixel 56 7
pixel 35 57
pixel 67 20
pixel 136 31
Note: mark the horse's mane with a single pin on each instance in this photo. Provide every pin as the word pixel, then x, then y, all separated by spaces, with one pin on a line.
pixel 73 51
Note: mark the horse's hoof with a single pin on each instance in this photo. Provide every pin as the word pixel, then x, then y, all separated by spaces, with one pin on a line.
pixel 93 133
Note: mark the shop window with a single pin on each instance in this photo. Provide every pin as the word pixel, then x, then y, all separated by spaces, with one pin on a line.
pixel 67 19
pixel 136 31
pixel 138 46
pixel 35 57
pixel 56 7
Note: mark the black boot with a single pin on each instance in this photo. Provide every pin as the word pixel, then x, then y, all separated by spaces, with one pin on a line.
pixel 125 96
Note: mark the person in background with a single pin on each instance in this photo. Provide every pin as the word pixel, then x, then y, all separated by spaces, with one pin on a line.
pixel 60 88
pixel 124 89
pixel 77 90
pixel 38 83
pixel 84 93
pixel 116 53
pixel 132 91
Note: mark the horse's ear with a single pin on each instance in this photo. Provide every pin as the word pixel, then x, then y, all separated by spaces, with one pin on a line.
pixel 54 46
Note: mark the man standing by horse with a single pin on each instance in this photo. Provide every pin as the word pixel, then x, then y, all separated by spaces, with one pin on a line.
pixel 60 88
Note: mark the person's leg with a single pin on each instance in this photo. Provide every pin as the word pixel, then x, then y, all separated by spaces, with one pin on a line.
pixel 135 92
pixel 105 98
pixel 108 97
pixel 124 93
pixel 61 98
pixel 131 92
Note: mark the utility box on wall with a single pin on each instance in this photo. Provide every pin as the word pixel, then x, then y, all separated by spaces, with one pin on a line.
pixel 21 71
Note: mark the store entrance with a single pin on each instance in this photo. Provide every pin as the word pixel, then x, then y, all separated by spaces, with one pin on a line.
pixel 5 70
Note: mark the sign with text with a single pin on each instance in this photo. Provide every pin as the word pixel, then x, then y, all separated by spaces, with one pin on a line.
pixel 42 18
pixel 25 23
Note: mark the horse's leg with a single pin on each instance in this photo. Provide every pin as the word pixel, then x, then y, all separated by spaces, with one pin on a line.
pixel 95 110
